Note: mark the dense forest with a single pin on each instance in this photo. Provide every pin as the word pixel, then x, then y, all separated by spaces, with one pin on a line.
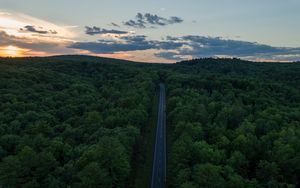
pixel 69 121
pixel 234 123
pixel 75 121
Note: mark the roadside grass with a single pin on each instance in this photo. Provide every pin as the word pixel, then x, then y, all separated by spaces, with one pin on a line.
pixel 142 164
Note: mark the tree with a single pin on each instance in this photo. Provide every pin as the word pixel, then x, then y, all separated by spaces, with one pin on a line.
pixel 208 175
pixel 267 171
pixel 111 156
pixel 10 169
pixel 239 163
pixel 92 175
pixel 92 121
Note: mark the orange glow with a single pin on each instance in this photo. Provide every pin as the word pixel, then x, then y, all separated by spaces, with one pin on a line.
pixel 11 51
pixel 117 56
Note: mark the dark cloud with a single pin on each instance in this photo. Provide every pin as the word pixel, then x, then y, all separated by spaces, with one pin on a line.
pixel 128 43
pixel 147 19
pixel 114 24
pixel 173 48
pixel 33 29
pixel 169 55
pixel 97 31
pixel 177 48
pixel 53 32
pixel 174 20
pixel 134 38
pixel 200 46
pixel 136 24
pixel 169 45
pixel 209 46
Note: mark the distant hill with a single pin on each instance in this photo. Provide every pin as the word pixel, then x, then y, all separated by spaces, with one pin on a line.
pixel 77 58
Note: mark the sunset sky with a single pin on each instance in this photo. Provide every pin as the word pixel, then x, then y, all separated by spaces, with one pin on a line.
pixel 152 31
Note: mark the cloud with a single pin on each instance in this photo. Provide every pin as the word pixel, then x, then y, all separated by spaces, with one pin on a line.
pixel 174 20
pixel 136 24
pixel 35 38
pixel 31 26
pixel 134 38
pixel 98 31
pixel 34 46
pixel 201 46
pixel 127 43
pixel 190 46
pixel 114 24
pixel 33 29
pixel 169 55
pixel 33 35
pixel 151 20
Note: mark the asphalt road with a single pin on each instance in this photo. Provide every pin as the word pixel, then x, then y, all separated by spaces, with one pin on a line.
pixel 159 158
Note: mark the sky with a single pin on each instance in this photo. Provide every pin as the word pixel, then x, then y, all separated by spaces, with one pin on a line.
pixel 152 31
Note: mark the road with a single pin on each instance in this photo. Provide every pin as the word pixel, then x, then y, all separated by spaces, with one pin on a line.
pixel 159 159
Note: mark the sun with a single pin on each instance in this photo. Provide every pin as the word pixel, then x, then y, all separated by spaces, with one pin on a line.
pixel 11 51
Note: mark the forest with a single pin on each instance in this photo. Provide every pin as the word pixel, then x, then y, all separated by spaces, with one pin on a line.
pixel 71 122
pixel 233 123
pixel 75 121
